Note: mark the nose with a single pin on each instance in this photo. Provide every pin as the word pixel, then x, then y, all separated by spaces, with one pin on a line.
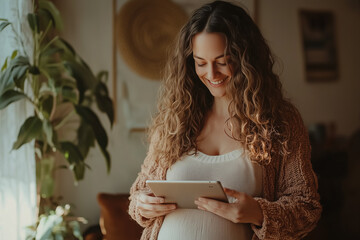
pixel 211 72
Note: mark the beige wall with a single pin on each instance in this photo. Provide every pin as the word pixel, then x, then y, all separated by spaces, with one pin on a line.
pixel 337 101
pixel 88 27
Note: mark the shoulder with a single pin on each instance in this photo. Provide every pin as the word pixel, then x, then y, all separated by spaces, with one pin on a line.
pixel 291 114
pixel 297 133
pixel 292 132
pixel 292 120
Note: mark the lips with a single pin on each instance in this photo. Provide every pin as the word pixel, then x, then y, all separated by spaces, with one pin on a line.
pixel 217 83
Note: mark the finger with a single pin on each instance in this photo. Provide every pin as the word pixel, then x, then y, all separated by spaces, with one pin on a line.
pixel 232 193
pixel 201 208
pixel 146 198
pixel 217 207
pixel 156 207
pixel 211 203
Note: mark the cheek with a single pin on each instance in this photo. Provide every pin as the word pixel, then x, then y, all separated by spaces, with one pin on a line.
pixel 199 71
pixel 227 71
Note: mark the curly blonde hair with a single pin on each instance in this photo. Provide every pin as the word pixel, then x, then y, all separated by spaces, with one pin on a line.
pixel 256 101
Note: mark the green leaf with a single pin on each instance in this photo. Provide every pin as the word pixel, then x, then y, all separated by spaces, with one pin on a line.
pixel 9 97
pixel 54 72
pixel 20 60
pixel 5 65
pixel 46 22
pixel 86 138
pixel 90 117
pixel 54 13
pixel 65 82
pixel 85 79
pixel 31 129
pixel 33 22
pixel 46 225
pixel 71 152
pixel 6 81
pixel 79 171
pixel 14 74
pixel 50 51
pixel 19 82
pixel 68 49
pixel 74 158
pixel 4 19
pixel 46 105
pixel 19 72
pixel 48 130
pixel 3 25
pixel 34 70
pixel 14 54
pixel 69 94
pixel 59 235
pixel 103 76
pixel 76 229
pixel 107 158
pixel 104 102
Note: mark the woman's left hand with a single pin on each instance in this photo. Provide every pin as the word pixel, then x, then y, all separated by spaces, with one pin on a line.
pixel 245 209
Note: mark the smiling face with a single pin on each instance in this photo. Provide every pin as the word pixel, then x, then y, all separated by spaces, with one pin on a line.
pixel 211 65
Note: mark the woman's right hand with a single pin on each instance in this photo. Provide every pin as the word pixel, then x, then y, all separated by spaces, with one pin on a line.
pixel 150 206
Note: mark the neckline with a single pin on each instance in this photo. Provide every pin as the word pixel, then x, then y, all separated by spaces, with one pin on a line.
pixel 217 158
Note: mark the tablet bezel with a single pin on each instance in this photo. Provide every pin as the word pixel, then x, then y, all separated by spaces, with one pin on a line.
pixel 184 193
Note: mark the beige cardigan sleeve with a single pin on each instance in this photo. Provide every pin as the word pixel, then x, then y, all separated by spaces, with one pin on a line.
pixel 148 171
pixel 296 208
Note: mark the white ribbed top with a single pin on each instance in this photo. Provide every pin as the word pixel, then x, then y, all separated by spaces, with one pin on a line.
pixel 235 171
pixel 217 158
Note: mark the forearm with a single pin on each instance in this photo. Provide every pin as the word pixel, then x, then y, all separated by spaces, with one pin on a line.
pixel 258 216
pixel 135 214
pixel 287 219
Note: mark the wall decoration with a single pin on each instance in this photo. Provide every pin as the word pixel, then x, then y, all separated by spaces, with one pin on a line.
pixel 144 31
pixel 319 45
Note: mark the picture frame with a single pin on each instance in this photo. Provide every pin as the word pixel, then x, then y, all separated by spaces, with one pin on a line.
pixel 318 39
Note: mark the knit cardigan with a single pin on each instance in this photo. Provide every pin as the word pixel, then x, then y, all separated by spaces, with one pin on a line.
pixel 290 202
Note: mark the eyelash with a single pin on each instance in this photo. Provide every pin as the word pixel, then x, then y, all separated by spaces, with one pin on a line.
pixel 220 64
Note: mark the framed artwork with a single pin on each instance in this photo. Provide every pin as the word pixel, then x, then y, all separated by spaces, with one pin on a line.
pixel 319 45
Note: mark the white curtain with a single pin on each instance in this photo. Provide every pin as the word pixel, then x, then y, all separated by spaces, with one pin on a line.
pixel 17 168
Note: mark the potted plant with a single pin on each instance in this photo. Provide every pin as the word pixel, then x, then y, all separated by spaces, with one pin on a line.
pixel 61 88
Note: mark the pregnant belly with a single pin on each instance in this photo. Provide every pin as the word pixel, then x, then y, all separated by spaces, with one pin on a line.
pixel 200 225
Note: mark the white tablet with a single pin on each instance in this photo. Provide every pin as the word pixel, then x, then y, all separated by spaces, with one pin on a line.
pixel 184 193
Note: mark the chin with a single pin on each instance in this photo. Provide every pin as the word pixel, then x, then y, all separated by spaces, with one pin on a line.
pixel 217 94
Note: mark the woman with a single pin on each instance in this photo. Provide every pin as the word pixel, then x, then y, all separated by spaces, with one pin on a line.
pixel 222 116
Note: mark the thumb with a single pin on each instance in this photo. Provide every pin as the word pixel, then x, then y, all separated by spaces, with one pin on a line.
pixel 232 193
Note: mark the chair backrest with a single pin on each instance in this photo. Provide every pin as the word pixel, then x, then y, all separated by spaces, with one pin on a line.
pixel 115 222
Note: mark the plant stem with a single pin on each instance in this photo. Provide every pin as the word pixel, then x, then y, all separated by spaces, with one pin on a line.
pixel 54 96
pixel 54 65
pixel 65 119
pixel 46 31
pixel 51 42
pixel 44 146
